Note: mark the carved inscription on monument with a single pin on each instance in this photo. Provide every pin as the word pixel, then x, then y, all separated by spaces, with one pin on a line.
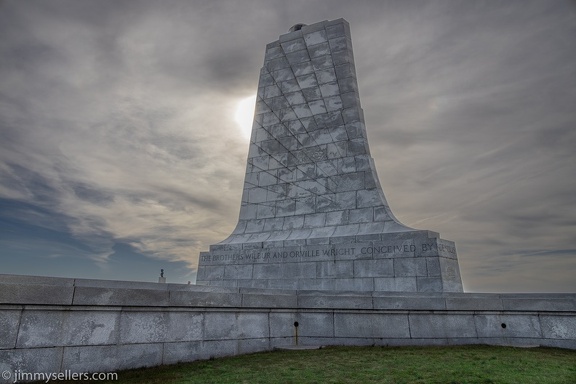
pixel 327 252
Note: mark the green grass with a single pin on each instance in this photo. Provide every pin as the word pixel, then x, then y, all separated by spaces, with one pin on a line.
pixel 455 364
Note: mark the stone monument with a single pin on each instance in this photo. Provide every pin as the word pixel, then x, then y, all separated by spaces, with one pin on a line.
pixel 313 213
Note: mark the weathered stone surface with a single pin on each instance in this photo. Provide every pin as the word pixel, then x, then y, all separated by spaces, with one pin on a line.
pixel 91 327
pixel 370 325
pixel 37 280
pixel 205 299
pixel 559 327
pixel 442 326
pixel 507 326
pixel 41 329
pixel 14 293
pixel 119 296
pixel 9 322
pixel 269 301
pixel 178 352
pixel 29 360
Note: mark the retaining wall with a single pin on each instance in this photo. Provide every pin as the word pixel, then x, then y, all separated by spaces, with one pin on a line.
pixel 54 325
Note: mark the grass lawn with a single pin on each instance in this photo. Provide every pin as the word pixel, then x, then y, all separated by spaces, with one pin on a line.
pixel 454 364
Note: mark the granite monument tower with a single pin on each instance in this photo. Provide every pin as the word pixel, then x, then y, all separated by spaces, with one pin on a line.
pixel 313 213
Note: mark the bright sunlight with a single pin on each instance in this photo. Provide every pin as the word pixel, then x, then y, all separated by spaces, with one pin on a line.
pixel 245 114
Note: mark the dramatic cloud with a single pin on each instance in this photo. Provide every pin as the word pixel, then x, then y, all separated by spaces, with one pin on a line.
pixel 119 147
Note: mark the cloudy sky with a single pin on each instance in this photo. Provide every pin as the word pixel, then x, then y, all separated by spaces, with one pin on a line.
pixel 120 153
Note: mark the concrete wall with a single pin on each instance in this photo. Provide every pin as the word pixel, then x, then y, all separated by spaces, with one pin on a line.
pixel 53 325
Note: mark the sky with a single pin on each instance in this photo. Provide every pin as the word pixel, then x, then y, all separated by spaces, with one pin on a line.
pixel 120 153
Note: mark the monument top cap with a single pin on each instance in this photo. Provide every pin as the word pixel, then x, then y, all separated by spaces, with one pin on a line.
pixel 296 27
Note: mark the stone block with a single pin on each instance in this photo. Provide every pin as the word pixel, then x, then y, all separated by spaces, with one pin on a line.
pixel 330 89
pixel 335 269
pixel 407 267
pixel 338 44
pixel 210 272
pixel 35 280
pixel 269 301
pixel 335 302
pixel 93 358
pixel 433 267
pixel 253 345
pixel 253 325
pixel 180 352
pixel 337 28
pixel 143 327
pixel 205 299
pixel 337 218
pixel 317 106
pixel 13 293
pixel 409 303
pixel 355 284
pixel 293 45
pixel 302 111
pixel 218 348
pixel 429 284
pixel 118 284
pixel 119 296
pixel 315 38
pixel 342 57
pixel 506 326
pixel 374 268
pixel 535 304
pixel 468 303
pixel 139 356
pixel 268 271
pixel 428 326
pixel 312 324
pixel 238 271
pixel 348 84
pixel 184 326
pixel 29 361
pixel 319 284
pixel 41 329
pixel 307 81
pixel 274 65
pixel 282 324
pixel 404 284
pixel 273 53
pixel 220 326
pixel 368 198
pixel 559 327
pixel 322 62
pixel 90 327
pixel 326 75
pixel 9 323
pixel 304 68
pixel 370 325
pixel 319 50
pixel 363 215
pixel 298 57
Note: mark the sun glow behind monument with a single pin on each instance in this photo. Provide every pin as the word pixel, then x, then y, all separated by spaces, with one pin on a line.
pixel 245 114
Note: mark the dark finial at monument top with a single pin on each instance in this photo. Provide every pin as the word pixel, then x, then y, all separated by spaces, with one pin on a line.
pixel 296 27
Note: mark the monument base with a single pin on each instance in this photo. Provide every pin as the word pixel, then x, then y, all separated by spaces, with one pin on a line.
pixel 412 261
